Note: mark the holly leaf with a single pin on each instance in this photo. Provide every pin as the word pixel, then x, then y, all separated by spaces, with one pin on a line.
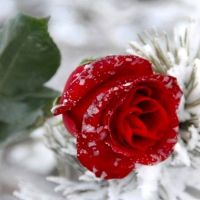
pixel 28 59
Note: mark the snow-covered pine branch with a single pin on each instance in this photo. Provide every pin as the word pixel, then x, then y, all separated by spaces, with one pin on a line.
pixel 180 58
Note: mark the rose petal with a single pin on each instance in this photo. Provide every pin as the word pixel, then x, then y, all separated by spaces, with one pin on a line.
pixel 86 77
pixel 171 84
pixel 100 158
pixel 93 152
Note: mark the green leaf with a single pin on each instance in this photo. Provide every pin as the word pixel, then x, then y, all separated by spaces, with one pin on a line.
pixel 28 59
pixel 28 56
pixel 11 132
pixel 88 60
pixel 13 110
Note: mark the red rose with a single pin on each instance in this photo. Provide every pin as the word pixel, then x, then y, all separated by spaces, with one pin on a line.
pixel 121 114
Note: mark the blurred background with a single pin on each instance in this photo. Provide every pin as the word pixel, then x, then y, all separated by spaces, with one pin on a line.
pixel 81 28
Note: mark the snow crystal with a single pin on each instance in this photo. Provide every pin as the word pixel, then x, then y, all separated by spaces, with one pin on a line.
pixel 94 170
pixel 84 136
pixel 99 129
pixel 83 151
pixel 157 158
pixel 65 101
pixel 88 128
pixel 82 82
pixel 96 152
pixel 111 72
pixel 128 59
pixel 92 110
pixel 105 98
pixel 100 103
pixel 103 175
pixel 87 66
pixel 176 129
pixel 127 84
pixel 160 151
pixel 91 144
pixel 100 96
pixel 172 140
pixel 178 95
pixel 169 85
pixel 85 74
pixel 117 161
pixel 166 78
pixel 102 135
pixel 118 62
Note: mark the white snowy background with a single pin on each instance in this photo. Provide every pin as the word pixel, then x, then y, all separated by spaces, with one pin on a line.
pixel 81 28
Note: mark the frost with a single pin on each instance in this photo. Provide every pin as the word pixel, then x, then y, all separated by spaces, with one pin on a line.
pixel 148 180
pixel 166 180
pixel 116 161
pixel 83 151
pixel 30 192
pixel 166 78
pixel 96 153
pixel 181 157
pixel 91 144
pixel 118 62
pixel 194 137
pixel 172 140
pixel 127 84
pixel 128 59
pixel 100 96
pixel 103 175
pixel 84 75
pixel 65 101
pixel 169 85
pixel 102 135
pixel 176 129
pixel 88 128
pixel 157 158
pixel 160 151
pixel 87 66
pixel 99 129
pixel 82 82
pixel 92 110
pixel 178 95
pixel 183 114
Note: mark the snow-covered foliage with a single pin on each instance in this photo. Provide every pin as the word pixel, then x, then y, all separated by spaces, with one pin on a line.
pixel 179 58
pixel 172 179
pixel 29 192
